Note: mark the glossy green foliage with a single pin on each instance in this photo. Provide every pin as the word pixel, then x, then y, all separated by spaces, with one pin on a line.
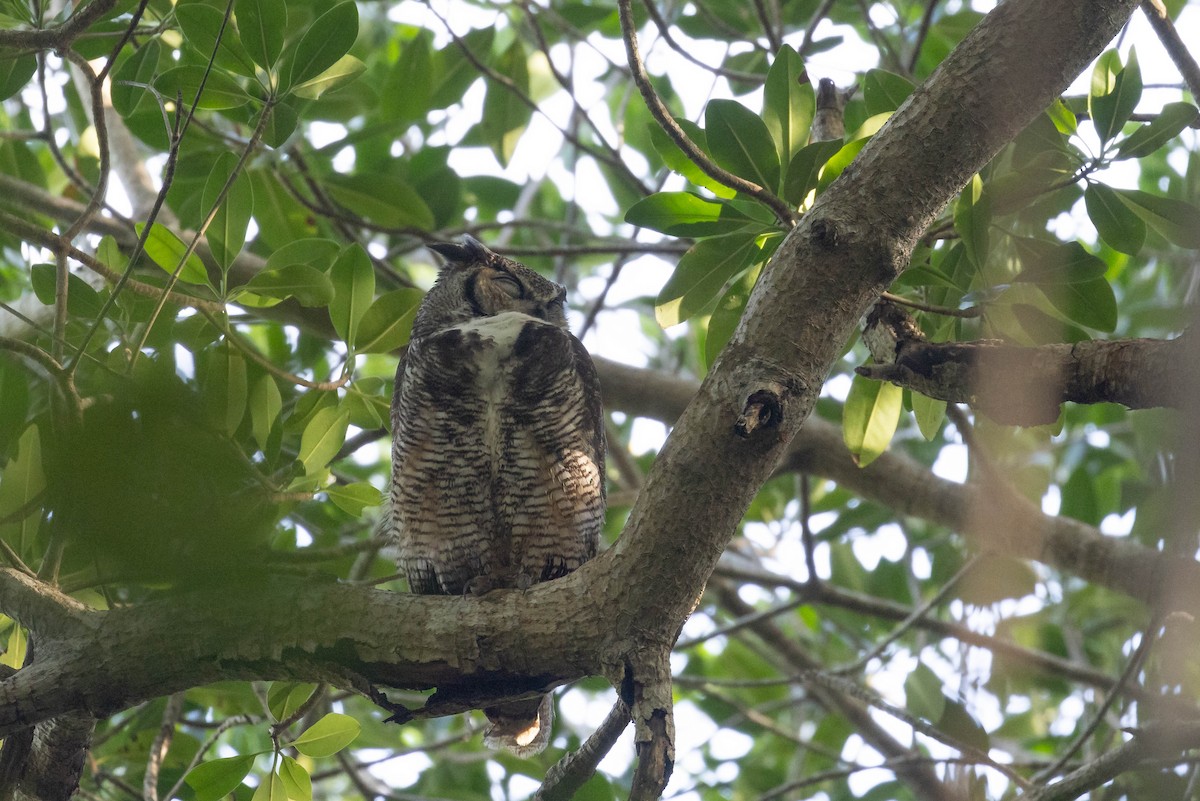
pixel 231 341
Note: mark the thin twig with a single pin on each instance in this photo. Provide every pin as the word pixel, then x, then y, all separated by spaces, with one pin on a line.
pixel 662 116
pixel 566 776
pixel 922 33
pixel 1161 22
pixel 161 745
pixel 968 313
pixel 1136 659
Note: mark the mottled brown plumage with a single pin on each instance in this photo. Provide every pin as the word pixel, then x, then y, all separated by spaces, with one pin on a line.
pixel 498 446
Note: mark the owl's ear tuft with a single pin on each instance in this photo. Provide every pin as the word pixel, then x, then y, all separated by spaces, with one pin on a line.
pixel 471 250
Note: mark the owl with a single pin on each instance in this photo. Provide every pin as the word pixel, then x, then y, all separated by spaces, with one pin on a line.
pixel 498 447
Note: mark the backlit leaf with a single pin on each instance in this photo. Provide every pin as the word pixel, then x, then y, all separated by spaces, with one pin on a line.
pixel 869 418
pixel 327 736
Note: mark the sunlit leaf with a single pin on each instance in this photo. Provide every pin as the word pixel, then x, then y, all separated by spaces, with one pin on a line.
pixel 327 736
pixel 323 438
pixel 346 69
pixel 296 781
pixel 869 418
pixel 1173 118
pixel 167 250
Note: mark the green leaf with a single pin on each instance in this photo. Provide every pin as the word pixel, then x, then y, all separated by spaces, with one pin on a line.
pixel 318 253
pixel 701 274
pixel 216 90
pixel 270 789
pixel 929 413
pixel 972 218
pixel 324 42
pixel 407 90
pixel 685 214
pixel 1071 279
pixel 261 24
pixel 15 71
pixel 740 142
pixel 1148 138
pixel 227 233
pixel 218 778
pixel 387 322
pixel 82 301
pixel 322 438
pixel 353 498
pixel 1114 93
pixel 804 171
pixel 308 285
pixel 1177 221
pixel 728 313
pixel 227 388
pixel 788 103
pixel 21 482
pixel 201 24
pixel 265 406
pixel 285 697
pixel 166 250
pixel 504 115
pixel 327 736
pixel 353 278
pixel 958 723
pixel 296 781
pixel 675 159
pixel 884 91
pixel 139 68
pixel 382 199
pixel 1046 262
pixel 869 418
pixel 1116 223
pixel 346 69
pixel 923 694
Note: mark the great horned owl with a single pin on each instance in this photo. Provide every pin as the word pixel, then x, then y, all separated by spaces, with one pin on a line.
pixel 498 446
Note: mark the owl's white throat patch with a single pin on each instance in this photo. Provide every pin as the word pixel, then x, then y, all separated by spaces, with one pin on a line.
pixel 498 335
pixel 502 329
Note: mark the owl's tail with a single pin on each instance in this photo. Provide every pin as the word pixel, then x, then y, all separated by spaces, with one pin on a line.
pixel 520 727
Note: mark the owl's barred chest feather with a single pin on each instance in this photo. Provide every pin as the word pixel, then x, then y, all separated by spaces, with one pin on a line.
pixel 492 341
pixel 498 447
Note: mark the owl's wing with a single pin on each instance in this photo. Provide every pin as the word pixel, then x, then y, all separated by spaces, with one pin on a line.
pixel 589 381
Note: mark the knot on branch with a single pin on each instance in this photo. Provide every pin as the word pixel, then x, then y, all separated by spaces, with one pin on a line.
pixel 763 409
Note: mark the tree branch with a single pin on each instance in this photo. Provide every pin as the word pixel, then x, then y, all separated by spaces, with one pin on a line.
pixel 1017 385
